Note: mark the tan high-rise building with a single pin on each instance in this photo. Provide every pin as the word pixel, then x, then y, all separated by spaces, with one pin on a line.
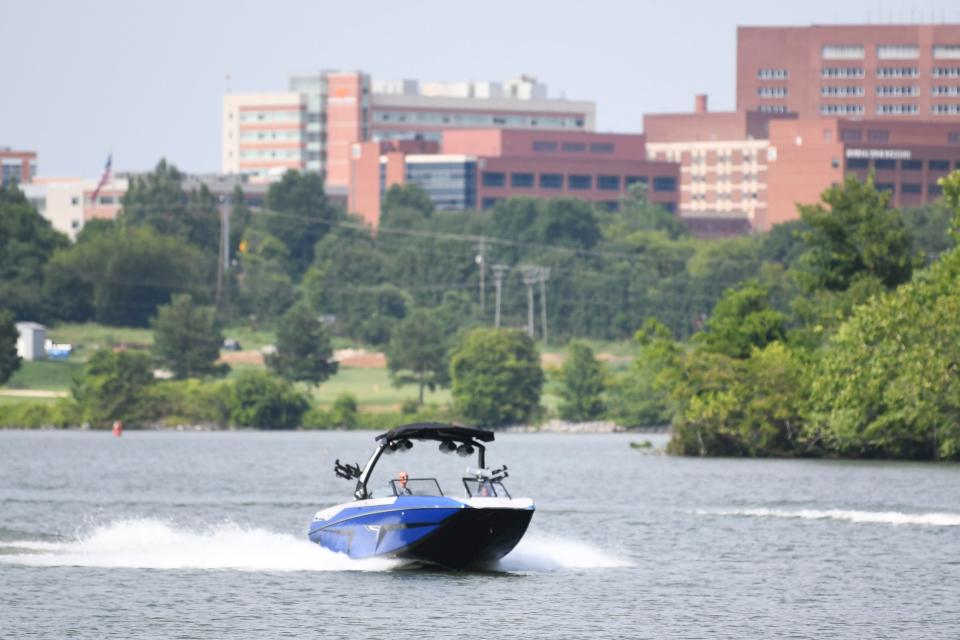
pixel 314 126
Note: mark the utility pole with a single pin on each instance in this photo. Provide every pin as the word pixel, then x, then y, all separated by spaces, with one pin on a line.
pixel 530 277
pixel 223 259
pixel 543 273
pixel 499 270
pixel 480 263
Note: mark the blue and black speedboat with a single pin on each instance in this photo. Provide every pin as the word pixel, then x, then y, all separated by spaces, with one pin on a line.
pixel 414 520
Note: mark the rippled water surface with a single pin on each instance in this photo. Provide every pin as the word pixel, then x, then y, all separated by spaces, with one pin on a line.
pixel 203 535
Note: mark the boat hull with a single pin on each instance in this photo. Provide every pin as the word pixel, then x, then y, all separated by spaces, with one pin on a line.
pixel 437 531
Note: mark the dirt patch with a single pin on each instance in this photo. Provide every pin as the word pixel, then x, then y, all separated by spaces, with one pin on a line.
pixel 241 357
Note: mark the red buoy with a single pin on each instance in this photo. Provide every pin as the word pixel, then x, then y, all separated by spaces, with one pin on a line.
pixel 118 428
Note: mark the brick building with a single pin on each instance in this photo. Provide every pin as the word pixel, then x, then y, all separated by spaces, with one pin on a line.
pixel 314 126
pixel 807 156
pixel 478 168
pixel 900 72
pixel 723 164
pixel 17 165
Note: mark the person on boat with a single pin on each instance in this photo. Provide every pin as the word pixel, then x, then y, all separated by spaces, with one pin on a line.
pixel 402 489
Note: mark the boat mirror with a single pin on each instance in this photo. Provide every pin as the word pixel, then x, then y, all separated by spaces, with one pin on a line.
pixel 464 450
pixel 405 445
pixel 447 446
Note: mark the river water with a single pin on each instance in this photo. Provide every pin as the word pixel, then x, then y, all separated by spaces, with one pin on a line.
pixel 203 535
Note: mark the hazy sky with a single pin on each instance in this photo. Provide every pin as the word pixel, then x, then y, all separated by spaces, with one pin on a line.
pixel 143 80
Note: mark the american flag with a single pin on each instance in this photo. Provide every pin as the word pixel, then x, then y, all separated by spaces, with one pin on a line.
pixel 103 180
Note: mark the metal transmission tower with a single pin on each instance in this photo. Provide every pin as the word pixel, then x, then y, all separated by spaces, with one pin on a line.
pixel 543 273
pixel 531 275
pixel 499 270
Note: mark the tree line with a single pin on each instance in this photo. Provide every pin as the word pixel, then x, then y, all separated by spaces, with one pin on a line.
pixel 736 336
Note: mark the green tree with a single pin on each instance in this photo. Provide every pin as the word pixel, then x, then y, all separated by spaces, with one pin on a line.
pixel 113 387
pixel 304 352
pixel 637 213
pixel 641 396
pixel 121 277
pixel 407 196
pixel 299 215
pixel 187 339
pixel 581 384
pixel 26 243
pixel 258 399
pixel 9 360
pixel 345 412
pixel 854 232
pixel 417 352
pixel 158 200
pixel 741 321
pixel 496 377
pixel 887 384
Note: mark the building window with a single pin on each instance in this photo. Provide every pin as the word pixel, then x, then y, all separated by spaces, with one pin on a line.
pixel 938 165
pixel 521 180
pixel 886 186
pixel 945 109
pixel 898 72
pixel 945 72
pixel 772 92
pixel 601 147
pixel 486 203
pixel 842 91
pixel 773 108
pixel 664 183
pixel 610 205
pixel 911 165
pixel 551 181
pixel 75 201
pixel 898 91
pixel 911 187
pixel 841 109
pixel 934 190
pixel 494 179
pixel 669 207
pixel 544 146
pixel 878 135
pixel 631 180
pixel 885 164
pixel 945 90
pixel 608 183
pixel 574 147
pixel 842 72
pixel 842 52
pixel 772 74
pixel 851 135
pixel 898 52
pixel 953 137
pixel 857 163
pixel 897 109
pixel 579 182
pixel 946 51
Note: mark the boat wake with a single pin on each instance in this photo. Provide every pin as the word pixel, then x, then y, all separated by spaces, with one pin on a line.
pixel 155 544
pixel 542 553
pixel 847 515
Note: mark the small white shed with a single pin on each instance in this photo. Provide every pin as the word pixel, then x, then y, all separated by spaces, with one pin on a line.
pixel 30 343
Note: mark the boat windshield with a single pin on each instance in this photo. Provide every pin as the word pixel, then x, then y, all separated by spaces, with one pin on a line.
pixel 417 487
pixel 485 488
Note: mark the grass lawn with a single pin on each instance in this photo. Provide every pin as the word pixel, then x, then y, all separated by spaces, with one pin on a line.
pixel 372 388
pixel 45 374
pixel 6 400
